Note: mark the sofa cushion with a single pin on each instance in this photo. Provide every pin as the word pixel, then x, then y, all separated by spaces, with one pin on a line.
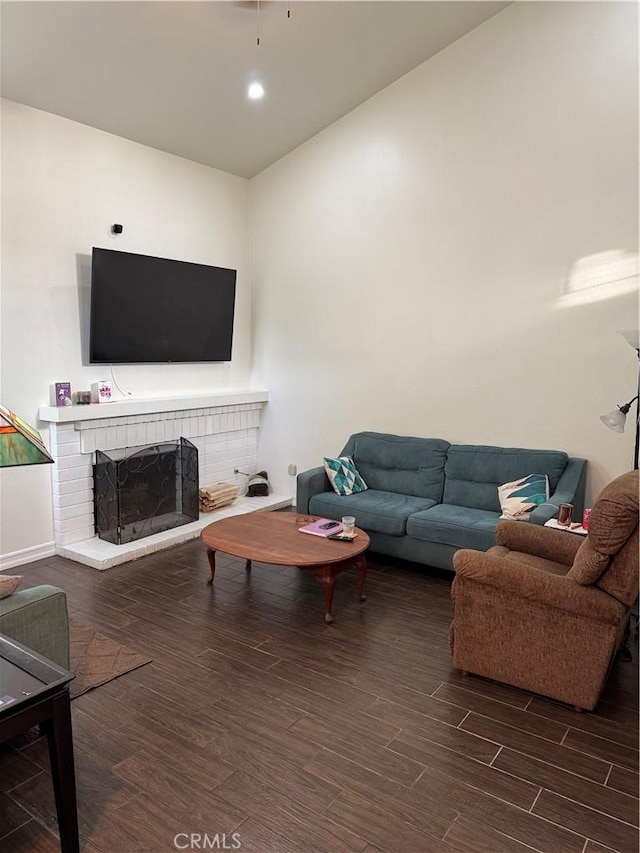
pixel 343 475
pixel 541 563
pixel 588 565
pixel 461 527
pixel 404 465
pixel 614 516
pixel 518 498
pixel 381 512
pixel 616 521
pixel 473 472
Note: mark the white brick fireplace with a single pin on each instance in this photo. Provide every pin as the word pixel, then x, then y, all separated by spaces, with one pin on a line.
pixel 224 428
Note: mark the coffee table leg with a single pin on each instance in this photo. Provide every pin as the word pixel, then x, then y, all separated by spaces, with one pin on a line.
pixel 247 566
pixel 60 739
pixel 212 564
pixel 362 574
pixel 327 577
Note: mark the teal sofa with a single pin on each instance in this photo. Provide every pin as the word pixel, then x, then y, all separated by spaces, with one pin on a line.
pixel 427 498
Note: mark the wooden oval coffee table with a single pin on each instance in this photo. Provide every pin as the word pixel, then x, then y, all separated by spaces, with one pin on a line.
pixel 273 537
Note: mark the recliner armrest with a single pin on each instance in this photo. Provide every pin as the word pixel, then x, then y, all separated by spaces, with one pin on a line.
pixel 555 591
pixel 557 545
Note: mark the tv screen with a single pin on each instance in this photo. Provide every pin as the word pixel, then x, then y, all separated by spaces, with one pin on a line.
pixel 146 310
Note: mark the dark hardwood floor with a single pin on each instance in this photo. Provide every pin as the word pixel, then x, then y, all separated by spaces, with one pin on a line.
pixel 257 718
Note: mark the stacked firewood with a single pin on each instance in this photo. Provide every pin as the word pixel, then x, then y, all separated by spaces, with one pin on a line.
pixel 217 495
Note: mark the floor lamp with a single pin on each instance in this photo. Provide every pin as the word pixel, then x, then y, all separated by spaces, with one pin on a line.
pixel 616 419
pixel 20 444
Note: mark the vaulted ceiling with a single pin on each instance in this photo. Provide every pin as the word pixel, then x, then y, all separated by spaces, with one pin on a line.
pixel 174 75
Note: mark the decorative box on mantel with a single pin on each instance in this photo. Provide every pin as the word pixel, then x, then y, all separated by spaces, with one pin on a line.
pixel 223 426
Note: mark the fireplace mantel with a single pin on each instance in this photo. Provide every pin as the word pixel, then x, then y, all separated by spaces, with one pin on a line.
pixel 143 406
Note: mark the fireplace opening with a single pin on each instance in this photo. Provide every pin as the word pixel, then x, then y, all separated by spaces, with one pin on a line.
pixel 151 489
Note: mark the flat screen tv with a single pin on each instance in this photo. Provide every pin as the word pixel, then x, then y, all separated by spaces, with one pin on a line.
pixel 146 309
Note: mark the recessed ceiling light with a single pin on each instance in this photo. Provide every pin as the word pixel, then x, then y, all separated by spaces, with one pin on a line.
pixel 256 91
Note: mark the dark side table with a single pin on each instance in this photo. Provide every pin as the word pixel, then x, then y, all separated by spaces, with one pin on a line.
pixel 35 692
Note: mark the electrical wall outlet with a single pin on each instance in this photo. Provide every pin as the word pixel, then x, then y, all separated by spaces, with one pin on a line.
pixel 292 469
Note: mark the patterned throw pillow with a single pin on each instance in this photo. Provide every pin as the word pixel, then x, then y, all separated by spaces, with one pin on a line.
pixel 343 475
pixel 518 498
pixel 9 584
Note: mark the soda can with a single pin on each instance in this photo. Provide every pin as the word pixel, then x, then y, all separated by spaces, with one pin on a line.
pixel 586 515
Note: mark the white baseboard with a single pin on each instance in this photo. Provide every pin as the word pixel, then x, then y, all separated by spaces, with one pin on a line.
pixel 102 555
pixel 27 555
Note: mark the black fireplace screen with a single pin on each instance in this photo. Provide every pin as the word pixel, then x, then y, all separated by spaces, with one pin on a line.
pixel 145 492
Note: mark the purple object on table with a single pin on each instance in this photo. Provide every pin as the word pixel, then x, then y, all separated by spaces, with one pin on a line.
pixel 63 393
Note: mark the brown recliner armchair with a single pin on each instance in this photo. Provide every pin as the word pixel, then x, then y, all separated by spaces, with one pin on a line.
pixel 545 610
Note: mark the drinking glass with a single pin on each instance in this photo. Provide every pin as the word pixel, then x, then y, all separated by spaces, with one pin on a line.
pixel 565 514
pixel 348 525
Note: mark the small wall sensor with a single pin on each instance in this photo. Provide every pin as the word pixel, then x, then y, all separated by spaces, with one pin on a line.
pixel 116 229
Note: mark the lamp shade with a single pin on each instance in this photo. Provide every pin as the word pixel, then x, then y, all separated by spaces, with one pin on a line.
pixel 20 444
pixel 615 420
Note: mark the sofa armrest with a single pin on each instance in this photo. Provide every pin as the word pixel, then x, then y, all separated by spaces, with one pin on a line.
pixel 545 542
pixel 310 483
pixel 37 617
pixel 555 591
pixel 570 490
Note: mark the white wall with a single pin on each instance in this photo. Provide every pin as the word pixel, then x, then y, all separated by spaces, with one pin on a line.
pixel 410 261
pixel 63 186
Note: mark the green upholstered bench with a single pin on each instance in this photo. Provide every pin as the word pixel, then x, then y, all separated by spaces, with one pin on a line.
pixel 38 619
